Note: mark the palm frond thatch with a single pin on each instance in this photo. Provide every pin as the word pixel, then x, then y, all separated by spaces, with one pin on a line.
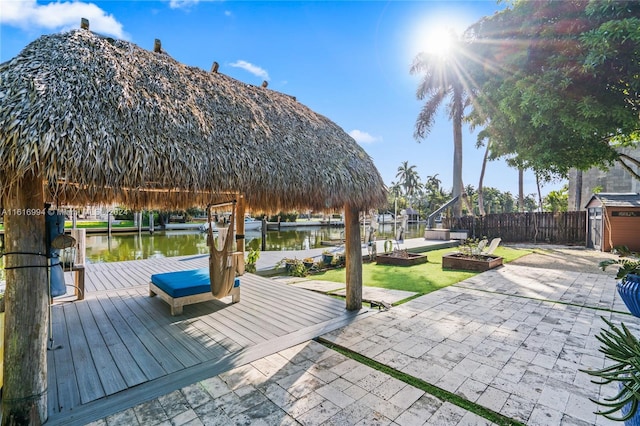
pixel 103 120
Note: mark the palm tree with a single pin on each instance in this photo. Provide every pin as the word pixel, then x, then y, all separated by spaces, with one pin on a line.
pixel 395 189
pixel 408 178
pixel 444 77
pixel 432 184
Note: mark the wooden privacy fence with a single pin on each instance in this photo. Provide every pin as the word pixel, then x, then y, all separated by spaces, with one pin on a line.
pixel 556 228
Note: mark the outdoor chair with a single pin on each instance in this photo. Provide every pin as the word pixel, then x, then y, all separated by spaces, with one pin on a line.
pixel 481 245
pixel 492 246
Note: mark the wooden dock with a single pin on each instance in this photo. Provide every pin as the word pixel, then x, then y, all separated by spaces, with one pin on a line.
pixel 119 347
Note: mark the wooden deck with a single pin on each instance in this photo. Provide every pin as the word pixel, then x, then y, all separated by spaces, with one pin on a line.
pixel 120 347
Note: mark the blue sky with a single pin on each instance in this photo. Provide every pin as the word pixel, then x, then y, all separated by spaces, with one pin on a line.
pixel 347 60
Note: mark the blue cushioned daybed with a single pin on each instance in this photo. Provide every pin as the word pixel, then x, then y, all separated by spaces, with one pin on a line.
pixel 186 287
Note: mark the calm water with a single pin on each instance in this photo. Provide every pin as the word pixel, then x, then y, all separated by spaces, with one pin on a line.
pixel 101 248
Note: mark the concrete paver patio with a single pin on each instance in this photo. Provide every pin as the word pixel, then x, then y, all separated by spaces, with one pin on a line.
pixel 511 340
pixel 307 384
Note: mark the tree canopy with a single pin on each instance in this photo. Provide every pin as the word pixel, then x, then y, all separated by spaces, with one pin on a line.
pixel 559 83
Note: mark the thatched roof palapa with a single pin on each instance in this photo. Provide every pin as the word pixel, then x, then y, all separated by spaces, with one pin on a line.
pixel 104 121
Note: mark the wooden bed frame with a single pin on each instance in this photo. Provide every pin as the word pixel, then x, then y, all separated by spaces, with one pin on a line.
pixel 176 303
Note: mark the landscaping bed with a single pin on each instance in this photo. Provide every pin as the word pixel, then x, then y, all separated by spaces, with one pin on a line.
pixel 404 259
pixel 476 263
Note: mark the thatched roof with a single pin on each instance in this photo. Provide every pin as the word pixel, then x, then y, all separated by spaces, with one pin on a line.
pixel 104 121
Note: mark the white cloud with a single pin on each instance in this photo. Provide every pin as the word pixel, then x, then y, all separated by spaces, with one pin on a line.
pixel 253 69
pixel 228 13
pixel 186 4
pixel 363 137
pixel 182 4
pixel 28 14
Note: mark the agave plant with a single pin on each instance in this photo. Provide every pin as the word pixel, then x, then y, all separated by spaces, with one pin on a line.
pixel 627 266
pixel 620 346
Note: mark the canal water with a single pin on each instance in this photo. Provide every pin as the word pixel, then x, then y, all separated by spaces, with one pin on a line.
pixel 101 248
pixel 131 246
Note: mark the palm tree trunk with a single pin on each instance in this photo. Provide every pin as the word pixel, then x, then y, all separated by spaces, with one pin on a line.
pixel 482 170
pixel 578 194
pixel 520 189
pixel 539 192
pixel 457 151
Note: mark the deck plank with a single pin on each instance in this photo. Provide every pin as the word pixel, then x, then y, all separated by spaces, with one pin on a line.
pixel 110 376
pixel 315 306
pixel 184 350
pixel 127 365
pixel 143 358
pixel 203 345
pixel 88 381
pixel 238 332
pixel 67 392
pixel 155 348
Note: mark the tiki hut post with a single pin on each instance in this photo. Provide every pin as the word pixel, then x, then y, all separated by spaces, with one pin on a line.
pixel 240 210
pixel 24 399
pixel 353 252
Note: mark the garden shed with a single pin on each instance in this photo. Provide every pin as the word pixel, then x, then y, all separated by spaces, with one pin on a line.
pixel 613 221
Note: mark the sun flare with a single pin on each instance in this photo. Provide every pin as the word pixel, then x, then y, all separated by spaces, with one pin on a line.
pixel 438 41
pixel 438 32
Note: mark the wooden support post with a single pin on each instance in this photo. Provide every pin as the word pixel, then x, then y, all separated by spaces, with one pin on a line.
pixel 151 221
pixel 240 211
pixel 353 252
pixel 24 398
pixel 78 263
pixel 239 254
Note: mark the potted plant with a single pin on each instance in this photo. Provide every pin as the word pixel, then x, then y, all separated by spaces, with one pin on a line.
pixel 308 262
pixel 629 285
pixel 622 347
pixel 338 259
pixel 252 259
pixel 327 257
pixel 294 267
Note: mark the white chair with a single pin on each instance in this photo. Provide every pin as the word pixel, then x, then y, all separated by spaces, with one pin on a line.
pixel 492 246
pixel 481 245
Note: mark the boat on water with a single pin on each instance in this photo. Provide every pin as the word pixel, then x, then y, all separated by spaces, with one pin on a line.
pixel 250 224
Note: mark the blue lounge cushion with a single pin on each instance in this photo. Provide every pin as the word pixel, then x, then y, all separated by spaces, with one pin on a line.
pixel 185 283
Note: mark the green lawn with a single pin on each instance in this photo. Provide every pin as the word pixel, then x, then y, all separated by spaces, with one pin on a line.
pixel 421 279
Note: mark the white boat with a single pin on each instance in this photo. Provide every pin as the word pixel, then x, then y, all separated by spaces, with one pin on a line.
pixel 205 227
pixel 250 224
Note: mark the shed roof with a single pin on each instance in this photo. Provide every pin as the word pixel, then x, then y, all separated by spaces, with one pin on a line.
pixel 616 199
pixel 104 121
